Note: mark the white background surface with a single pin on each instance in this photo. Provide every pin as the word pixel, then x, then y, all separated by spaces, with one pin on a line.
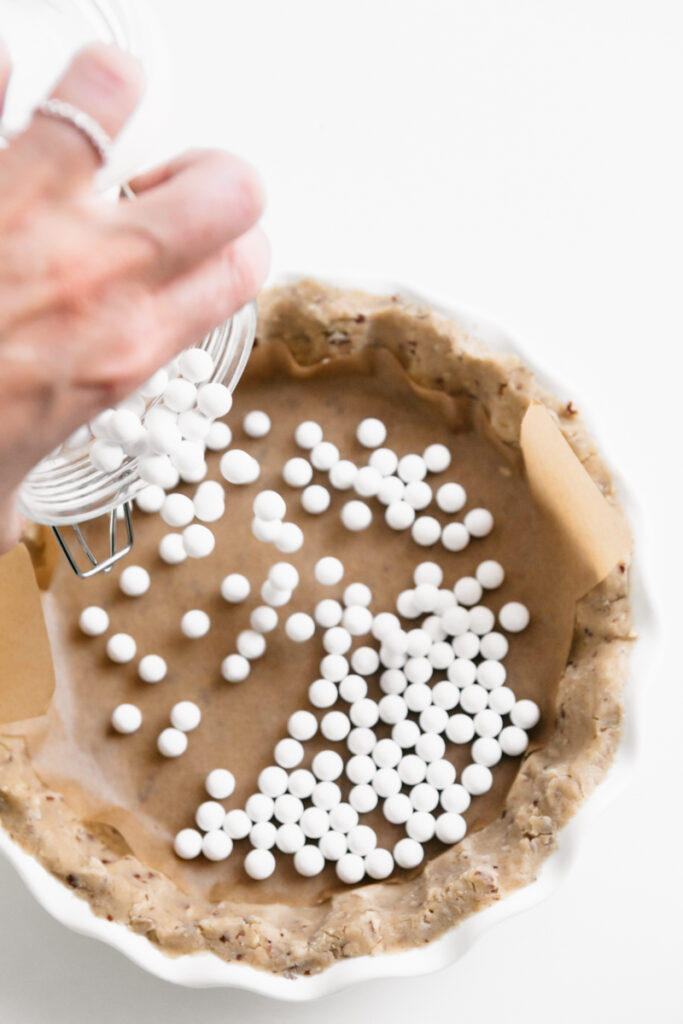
pixel 522 158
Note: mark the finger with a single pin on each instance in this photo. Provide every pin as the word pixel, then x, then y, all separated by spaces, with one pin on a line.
pixel 180 314
pixel 5 68
pixel 194 207
pixel 195 303
pixel 64 260
pixel 158 175
pixel 131 333
pixel 56 156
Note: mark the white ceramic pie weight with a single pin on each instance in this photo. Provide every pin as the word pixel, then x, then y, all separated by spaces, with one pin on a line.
pixel 67 489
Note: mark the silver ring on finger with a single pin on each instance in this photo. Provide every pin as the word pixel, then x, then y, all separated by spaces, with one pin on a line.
pixel 84 123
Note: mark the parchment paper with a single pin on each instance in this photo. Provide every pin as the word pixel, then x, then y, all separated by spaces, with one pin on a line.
pixel 554 548
pixel 26 675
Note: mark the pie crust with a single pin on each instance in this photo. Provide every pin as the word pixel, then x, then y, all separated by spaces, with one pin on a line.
pixel 318 323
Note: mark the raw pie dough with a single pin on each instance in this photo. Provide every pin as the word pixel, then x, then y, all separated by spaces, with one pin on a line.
pixel 386 358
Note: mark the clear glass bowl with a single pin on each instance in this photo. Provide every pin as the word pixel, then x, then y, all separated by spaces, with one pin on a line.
pixel 67 489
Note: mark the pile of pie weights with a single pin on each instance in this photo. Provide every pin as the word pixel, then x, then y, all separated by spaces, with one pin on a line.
pixel 442 680
pixel 167 424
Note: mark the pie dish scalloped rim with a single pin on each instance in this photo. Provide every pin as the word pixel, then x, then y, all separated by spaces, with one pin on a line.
pixel 200 970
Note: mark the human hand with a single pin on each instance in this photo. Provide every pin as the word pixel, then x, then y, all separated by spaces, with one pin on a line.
pixel 95 296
